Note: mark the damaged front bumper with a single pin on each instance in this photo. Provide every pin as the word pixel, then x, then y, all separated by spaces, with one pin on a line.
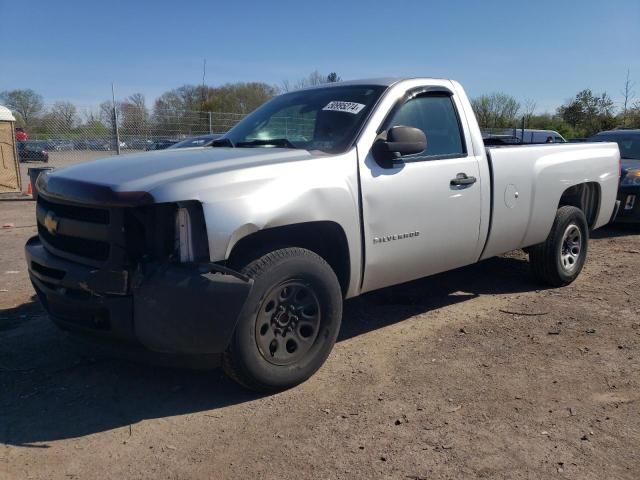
pixel 173 308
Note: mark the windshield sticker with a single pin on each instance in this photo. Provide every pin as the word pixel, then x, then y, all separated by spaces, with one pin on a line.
pixel 339 106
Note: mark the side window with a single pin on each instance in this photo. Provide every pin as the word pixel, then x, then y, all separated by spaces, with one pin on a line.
pixel 435 115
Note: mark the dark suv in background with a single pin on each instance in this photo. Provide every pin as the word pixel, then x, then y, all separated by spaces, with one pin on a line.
pixel 629 193
pixel 33 150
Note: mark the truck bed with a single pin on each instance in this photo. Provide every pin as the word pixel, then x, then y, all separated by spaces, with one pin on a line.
pixel 528 182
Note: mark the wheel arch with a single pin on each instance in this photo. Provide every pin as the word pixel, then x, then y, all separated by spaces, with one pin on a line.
pixel 325 238
pixel 585 196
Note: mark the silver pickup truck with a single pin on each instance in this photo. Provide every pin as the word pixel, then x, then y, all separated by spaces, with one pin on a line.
pixel 247 248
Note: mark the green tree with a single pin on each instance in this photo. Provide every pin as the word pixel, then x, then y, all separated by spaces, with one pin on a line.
pixel 239 97
pixel 633 116
pixel 181 99
pixel 548 121
pixel 588 113
pixel 627 97
pixel 313 79
pixel 134 116
pixel 107 116
pixel 496 110
pixel 26 103
pixel 63 116
pixel 187 110
pixel 177 112
pixel 94 128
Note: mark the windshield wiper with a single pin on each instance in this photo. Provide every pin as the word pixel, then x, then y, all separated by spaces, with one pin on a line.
pixel 222 142
pixel 276 142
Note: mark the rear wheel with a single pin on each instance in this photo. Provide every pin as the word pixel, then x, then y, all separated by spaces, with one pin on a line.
pixel 559 259
pixel 290 321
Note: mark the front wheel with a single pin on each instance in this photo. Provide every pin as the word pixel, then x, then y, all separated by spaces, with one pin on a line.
pixel 559 259
pixel 290 321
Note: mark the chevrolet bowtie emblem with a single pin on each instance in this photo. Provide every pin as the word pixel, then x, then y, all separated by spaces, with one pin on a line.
pixel 51 223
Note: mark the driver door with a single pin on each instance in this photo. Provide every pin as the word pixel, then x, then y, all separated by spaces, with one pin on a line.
pixel 418 219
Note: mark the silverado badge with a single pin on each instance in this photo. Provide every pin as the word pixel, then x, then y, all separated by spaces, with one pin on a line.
pixel 391 238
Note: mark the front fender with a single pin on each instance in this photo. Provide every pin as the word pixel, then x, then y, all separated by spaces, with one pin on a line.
pixel 320 189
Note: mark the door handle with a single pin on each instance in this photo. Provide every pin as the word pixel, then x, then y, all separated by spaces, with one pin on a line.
pixel 462 180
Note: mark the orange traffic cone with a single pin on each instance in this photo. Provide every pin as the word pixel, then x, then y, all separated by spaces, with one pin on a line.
pixel 30 190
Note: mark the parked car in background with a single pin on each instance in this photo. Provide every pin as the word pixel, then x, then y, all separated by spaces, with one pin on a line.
pixel 99 144
pixel 33 150
pixel 161 144
pixel 497 140
pixel 199 141
pixel 511 136
pixel 629 193
pixel 539 136
pixel 138 143
pixel 80 144
pixel 60 145
pixel 21 135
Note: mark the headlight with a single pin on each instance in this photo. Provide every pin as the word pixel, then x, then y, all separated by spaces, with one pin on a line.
pixel 631 179
pixel 184 239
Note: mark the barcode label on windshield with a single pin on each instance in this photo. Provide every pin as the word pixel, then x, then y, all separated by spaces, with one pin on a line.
pixel 349 107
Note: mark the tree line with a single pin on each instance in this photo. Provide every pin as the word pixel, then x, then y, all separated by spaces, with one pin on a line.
pixel 581 116
pixel 183 110
pixel 187 106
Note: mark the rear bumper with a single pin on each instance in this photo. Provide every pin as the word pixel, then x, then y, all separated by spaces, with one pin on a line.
pixel 174 308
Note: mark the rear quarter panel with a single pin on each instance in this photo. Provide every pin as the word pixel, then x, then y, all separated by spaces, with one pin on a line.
pixel 538 175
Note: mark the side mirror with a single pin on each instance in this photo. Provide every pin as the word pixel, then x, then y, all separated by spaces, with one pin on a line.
pixel 400 141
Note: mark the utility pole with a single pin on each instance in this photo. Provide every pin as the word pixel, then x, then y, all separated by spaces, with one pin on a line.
pixel 115 119
pixel 203 95
pixel 628 97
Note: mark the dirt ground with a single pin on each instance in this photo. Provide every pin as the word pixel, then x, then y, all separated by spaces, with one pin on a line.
pixel 477 373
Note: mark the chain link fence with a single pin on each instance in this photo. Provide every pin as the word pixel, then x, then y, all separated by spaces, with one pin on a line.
pixel 58 140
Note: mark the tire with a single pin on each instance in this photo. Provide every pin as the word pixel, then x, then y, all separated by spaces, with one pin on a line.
pixel 289 323
pixel 559 259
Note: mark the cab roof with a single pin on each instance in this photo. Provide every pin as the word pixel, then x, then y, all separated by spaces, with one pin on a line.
pixel 380 81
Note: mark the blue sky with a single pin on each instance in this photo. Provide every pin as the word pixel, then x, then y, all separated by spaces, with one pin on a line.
pixel 544 50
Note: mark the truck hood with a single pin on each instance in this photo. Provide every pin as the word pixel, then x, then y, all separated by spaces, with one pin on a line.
pixel 131 179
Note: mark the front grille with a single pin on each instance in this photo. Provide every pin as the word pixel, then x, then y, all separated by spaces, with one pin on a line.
pixel 78 233
pixel 84 214
pixel 80 247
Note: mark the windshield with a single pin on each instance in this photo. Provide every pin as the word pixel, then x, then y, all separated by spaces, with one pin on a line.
pixel 629 145
pixel 325 119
